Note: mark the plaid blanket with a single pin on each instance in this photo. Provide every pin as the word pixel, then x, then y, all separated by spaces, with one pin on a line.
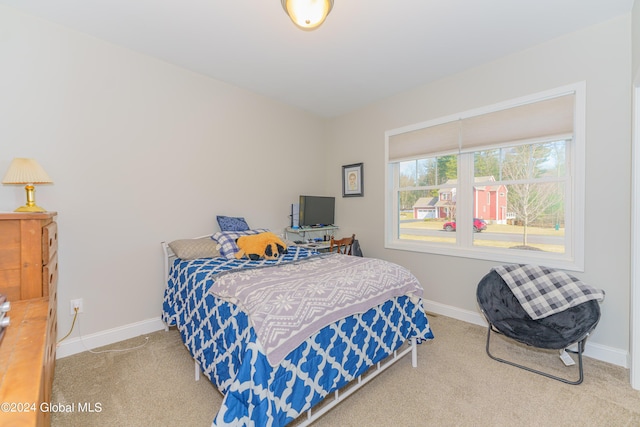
pixel 544 291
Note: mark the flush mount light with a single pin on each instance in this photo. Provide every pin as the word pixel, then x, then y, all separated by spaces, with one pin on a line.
pixel 307 14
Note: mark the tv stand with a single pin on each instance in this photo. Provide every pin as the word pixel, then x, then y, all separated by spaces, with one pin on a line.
pixel 309 232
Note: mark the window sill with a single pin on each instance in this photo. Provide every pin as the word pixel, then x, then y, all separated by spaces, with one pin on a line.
pixel 502 256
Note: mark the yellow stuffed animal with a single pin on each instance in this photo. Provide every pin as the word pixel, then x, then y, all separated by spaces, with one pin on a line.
pixel 262 245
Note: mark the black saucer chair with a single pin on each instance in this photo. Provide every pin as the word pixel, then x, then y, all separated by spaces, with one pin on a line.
pixel 558 331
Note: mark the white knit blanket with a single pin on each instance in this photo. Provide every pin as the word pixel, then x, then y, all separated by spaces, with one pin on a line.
pixel 287 303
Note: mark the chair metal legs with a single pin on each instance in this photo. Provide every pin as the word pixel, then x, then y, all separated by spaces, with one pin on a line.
pixel 564 380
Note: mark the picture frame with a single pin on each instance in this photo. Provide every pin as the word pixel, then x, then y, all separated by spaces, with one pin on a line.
pixel 352 180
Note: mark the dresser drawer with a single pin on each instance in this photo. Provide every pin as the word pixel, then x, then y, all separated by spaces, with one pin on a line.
pixel 49 241
pixel 50 351
pixel 50 277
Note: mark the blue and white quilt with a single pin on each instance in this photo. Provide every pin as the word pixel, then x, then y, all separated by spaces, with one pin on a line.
pixel 221 339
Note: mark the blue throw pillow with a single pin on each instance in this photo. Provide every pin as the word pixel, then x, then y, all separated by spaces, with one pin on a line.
pixel 230 223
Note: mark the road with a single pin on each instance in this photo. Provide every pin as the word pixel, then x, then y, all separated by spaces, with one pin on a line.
pixel 500 237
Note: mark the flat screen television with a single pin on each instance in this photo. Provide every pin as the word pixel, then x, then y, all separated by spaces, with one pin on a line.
pixel 316 210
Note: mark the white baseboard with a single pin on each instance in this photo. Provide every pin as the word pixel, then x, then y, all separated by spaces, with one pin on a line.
pixel 454 312
pixel 110 336
pixel 597 351
pixel 607 354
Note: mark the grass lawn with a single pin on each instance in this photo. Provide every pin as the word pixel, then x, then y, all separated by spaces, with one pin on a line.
pixel 491 228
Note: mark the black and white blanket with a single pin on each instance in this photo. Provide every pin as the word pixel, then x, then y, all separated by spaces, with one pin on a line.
pixel 543 291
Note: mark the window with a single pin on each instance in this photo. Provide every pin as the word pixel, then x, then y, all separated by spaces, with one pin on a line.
pixel 503 183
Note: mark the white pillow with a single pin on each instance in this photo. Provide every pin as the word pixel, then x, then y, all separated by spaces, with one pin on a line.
pixel 189 249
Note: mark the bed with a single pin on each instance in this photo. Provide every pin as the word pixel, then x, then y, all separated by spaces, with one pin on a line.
pixel 272 375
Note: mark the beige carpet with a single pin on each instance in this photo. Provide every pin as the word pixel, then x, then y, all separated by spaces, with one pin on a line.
pixel 455 384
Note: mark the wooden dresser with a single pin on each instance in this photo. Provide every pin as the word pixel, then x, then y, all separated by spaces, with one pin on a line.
pixel 28 278
pixel 28 255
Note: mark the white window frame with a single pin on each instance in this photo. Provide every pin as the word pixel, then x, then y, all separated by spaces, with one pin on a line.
pixel 573 257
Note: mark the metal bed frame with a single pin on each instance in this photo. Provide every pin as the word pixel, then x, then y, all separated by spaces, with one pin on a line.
pixel 329 402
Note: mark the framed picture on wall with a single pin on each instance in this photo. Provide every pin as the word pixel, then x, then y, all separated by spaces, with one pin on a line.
pixel 352 180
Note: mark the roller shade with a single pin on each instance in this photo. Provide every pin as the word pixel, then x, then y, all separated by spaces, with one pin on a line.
pixel 539 120
pixel 441 138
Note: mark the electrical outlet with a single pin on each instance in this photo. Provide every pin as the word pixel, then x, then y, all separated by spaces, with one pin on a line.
pixel 75 303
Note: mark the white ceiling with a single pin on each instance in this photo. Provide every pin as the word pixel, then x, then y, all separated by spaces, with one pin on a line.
pixel 365 51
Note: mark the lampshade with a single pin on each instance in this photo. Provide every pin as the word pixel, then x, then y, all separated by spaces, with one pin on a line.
pixel 307 14
pixel 27 171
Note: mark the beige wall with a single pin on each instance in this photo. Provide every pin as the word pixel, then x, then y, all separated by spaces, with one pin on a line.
pixel 598 55
pixel 140 151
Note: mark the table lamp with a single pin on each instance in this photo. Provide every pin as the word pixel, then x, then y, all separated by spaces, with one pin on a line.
pixel 29 172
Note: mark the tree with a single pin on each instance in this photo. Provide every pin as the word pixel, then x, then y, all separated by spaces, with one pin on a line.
pixel 529 200
pixel 447 168
pixel 426 172
pixel 487 163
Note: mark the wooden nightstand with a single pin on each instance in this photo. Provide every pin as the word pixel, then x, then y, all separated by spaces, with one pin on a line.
pixel 27 363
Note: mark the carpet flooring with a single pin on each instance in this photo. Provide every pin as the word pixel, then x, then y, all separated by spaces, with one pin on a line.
pixel 455 384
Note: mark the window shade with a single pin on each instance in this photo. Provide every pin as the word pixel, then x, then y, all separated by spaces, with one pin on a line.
pixel 537 120
pixel 433 139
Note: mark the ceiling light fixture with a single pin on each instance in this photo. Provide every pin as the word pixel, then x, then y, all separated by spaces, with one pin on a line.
pixel 307 14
